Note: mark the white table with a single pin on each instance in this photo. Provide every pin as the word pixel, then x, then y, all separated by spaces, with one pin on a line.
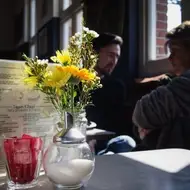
pixel 149 170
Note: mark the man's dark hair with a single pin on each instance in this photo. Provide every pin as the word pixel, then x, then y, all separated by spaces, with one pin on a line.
pixel 179 35
pixel 105 39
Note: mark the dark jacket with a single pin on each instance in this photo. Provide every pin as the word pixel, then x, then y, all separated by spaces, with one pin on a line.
pixel 107 109
pixel 166 112
pixel 113 104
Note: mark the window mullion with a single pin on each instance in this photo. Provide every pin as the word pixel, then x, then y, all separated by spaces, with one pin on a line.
pixel 152 20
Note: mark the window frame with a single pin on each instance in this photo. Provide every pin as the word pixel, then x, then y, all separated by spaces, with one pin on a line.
pixel 65 27
pixel 32 47
pixel 148 63
pixel 33 19
pixel 32 38
pixel 69 13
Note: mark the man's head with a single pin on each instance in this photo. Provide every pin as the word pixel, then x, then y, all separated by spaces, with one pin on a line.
pixel 179 46
pixel 108 46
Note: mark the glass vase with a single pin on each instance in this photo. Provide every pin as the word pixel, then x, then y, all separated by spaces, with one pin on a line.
pixel 23 160
pixel 80 121
pixel 68 161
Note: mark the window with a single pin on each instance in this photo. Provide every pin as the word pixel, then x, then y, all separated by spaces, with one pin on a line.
pixel 33 50
pixel 173 14
pixel 32 17
pixel 44 9
pixel 157 17
pixel 79 20
pixel 71 20
pixel 66 32
pixel 43 42
pixel 168 17
pixel 66 4
pixel 26 21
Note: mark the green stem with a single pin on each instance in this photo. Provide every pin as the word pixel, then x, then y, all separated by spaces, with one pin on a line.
pixel 72 99
pixel 55 104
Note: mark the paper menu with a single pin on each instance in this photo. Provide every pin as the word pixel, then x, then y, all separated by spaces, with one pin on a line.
pixel 22 109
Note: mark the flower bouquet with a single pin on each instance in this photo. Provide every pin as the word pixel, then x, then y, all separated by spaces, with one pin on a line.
pixel 67 83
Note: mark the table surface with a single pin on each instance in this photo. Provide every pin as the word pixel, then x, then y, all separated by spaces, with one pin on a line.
pixel 167 169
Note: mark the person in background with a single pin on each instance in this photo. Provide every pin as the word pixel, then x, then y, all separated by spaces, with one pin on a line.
pixel 113 106
pixel 162 117
pixel 108 100
pixel 108 47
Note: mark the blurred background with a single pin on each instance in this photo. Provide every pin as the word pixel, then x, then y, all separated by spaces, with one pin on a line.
pixel 40 27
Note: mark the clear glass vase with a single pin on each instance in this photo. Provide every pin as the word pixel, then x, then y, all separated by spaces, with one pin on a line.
pixel 68 161
pixel 80 122
pixel 77 120
pixel 23 160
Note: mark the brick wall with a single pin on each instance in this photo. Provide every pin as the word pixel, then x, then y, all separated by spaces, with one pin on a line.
pixel 161 27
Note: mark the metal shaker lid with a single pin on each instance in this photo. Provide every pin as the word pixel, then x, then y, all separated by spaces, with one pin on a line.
pixel 72 136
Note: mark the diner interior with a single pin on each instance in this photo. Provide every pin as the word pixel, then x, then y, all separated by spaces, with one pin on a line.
pixel 41 27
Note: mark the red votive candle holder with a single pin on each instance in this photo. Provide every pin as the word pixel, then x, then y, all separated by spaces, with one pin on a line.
pixel 23 158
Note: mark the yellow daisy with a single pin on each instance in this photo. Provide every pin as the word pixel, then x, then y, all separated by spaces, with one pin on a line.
pixel 57 78
pixel 62 57
pixel 81 74
pixel 31 81
pixel 84 74
pixel 27 70
pixel 73 70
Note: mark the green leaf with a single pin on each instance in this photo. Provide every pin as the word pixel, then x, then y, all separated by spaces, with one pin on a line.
pixel 64 98
pixel 74 94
